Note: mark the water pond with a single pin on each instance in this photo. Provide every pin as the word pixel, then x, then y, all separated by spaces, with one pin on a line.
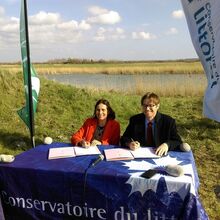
pixel 179 83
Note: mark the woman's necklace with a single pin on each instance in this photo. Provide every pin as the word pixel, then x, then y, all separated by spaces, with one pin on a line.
pixel 100 131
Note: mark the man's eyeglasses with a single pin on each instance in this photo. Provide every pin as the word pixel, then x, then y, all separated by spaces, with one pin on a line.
pixel 148 106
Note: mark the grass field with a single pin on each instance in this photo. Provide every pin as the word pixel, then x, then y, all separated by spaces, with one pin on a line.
pixel 62 110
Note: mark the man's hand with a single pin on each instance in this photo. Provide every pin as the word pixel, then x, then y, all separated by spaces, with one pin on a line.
pixel 162 149
pixel 134 145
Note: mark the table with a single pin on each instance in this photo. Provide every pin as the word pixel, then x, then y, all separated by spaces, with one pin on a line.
pixel 33 187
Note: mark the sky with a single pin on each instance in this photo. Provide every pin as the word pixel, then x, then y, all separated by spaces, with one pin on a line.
pixel 97 29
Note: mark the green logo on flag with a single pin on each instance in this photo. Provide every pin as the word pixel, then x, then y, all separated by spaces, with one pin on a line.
pixel 25 111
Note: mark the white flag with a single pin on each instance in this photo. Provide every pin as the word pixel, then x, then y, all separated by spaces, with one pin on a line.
pixel 203 18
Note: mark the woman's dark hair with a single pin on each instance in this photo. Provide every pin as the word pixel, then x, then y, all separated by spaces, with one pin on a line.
pixel 111 113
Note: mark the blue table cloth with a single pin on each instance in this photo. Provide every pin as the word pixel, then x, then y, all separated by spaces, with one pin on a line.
pixel 33 187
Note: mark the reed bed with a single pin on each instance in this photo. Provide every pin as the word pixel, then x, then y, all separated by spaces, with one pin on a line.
pixel 172 88
pixel 169 89
pixel 156 67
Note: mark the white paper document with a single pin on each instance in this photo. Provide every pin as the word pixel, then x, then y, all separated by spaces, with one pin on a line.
pixel 144 152
pixel 61 152
pixel 81 151
pixel 118 154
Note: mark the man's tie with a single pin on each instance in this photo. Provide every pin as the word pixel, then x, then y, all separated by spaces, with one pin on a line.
pixel 149 134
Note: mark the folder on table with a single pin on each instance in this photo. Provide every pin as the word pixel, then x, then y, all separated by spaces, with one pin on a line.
pixel 61 152
pixel 118 154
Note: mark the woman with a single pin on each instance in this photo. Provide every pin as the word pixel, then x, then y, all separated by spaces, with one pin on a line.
pixel 102 128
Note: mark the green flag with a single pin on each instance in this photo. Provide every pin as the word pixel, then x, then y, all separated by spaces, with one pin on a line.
pixel 31 81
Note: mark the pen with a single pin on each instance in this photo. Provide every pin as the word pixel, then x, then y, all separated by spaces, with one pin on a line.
pixel 85 143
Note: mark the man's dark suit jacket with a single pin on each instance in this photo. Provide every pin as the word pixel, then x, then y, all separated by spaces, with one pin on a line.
pixel 165 131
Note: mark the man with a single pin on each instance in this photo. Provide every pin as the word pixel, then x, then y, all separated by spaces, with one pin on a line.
pixel 152 129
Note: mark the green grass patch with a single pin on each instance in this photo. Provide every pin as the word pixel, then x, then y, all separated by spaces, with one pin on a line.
pixel 62 110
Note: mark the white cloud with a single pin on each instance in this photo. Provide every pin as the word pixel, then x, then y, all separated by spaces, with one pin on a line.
pixel 44 28
pixel 44 18
pixel 68 25
pixel 143 35
pixel 14 19
pixel 10 28
pixel 178 14
pixel 2 11
pixel 9 31
pixel 84 25
pixel 62 33
pixel 49 28
pixel 172 31
pixel 103 16
pixel 109 34
pixel 96 10
pixel 119 30
pixel 100 34
pixel 73 25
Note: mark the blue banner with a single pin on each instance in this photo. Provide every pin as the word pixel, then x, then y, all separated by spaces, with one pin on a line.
pixel 33 187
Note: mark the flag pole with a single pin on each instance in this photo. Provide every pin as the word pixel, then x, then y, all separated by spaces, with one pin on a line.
pixel 31 113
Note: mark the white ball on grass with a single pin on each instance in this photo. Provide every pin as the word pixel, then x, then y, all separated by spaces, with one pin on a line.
pixel 48 140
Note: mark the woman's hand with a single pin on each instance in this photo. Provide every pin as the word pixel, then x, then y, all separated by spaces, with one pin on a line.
pixel 162 149
pixel 95 142
pixel 134 145
pixel 85 144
